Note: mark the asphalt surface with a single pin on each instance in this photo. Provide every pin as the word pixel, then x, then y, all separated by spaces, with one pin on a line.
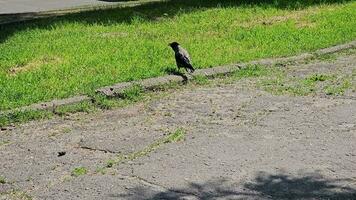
pixel 26 6
pixel 240 142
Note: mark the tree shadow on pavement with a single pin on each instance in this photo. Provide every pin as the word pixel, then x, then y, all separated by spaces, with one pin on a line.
pixel 147 12
pixel 264 186
pixel 309 186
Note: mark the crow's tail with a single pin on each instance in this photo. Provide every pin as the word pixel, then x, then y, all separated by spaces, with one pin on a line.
pixel 190 68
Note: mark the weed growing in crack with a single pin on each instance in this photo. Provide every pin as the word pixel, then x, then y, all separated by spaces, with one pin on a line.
pixel 79 171
pixel 176 136
pixel 110 163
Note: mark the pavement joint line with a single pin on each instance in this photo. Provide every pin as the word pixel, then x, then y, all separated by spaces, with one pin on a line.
pixel 118 89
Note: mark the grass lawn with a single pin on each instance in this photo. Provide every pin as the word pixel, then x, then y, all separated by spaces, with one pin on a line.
pixel 77 53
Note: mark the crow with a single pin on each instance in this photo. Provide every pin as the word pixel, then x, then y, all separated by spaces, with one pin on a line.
pixel 182 57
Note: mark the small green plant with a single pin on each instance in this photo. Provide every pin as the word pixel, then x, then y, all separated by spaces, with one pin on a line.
pixel 318 77
pixel 2 180
pixel 110 163
pixel 66 130
pixel 176 136
pixel 79 171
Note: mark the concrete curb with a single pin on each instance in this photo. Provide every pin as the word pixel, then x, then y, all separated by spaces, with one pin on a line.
pixel 149 84
pixel 118 90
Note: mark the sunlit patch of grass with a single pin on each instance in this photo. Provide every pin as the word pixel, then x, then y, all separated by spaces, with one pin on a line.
pixel 329 84
pixel 338 88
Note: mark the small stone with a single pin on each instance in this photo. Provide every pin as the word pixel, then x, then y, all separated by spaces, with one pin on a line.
pixel 61 153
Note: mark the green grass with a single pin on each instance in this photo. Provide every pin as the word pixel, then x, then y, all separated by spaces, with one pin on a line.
pixel 79 171
pixel 334 84
pixel 176 136
pixel 2 180
pixel 252 71
pixel 200 80
pixel 77 53
pixel 3 143
pixel 339 88
pixel 15 194
pixel 133 93
pixel 22 116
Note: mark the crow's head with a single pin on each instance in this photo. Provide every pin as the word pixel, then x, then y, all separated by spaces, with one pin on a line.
pixel 174 45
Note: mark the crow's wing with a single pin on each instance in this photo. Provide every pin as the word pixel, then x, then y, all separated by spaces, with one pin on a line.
pixel 183 59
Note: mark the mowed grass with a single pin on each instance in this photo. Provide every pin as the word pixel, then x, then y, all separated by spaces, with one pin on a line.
pixel 77 53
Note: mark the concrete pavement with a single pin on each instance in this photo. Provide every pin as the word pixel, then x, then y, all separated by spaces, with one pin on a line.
pixel 26 6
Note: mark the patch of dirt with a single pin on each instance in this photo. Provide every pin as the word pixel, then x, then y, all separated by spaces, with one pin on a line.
pixel 33 65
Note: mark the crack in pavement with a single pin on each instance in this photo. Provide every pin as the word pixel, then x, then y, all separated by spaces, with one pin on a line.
pixel 95 149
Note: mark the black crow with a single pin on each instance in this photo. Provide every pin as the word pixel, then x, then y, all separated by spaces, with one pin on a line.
pixel 182 57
